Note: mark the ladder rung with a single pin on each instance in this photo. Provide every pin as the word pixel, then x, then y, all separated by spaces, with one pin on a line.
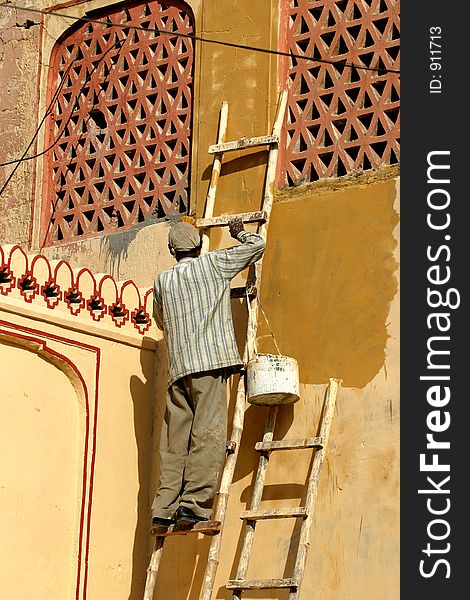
pixel 249 217
pixel 241 292
pixel 273 513
pixel 315 442
pixel 261 584
pixel 205 527
pixel 244 143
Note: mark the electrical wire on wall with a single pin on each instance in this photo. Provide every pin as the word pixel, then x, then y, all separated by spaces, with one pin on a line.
pixel 380 70
pixel 18 161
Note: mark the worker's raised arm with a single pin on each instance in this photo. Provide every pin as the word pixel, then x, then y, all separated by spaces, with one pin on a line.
pixel 233 260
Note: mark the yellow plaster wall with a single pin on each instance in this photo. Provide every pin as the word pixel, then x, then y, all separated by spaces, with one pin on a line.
pixel 248 82
pixel 41 426
pixel 321 243
pixel 329 291
pixel 329 279
pixel 49 484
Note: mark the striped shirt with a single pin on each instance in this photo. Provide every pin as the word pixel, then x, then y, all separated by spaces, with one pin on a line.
pixel 192 306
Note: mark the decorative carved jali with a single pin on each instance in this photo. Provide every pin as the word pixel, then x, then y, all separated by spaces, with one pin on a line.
pixel 341 119
pixel 119 129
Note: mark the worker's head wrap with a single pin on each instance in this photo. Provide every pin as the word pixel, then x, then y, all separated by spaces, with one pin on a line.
pixel 184 237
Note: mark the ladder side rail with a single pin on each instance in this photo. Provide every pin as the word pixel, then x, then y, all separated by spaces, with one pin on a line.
pixel 312 488
pixel 249 528
pixel 268 197
pixel 237 429
pixel 152 570
pixel 224 490
pixel 216 168
pixel 154 565
pixel 227 475
pixel 272 160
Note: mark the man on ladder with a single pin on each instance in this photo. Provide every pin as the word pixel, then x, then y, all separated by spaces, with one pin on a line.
pixel 192 308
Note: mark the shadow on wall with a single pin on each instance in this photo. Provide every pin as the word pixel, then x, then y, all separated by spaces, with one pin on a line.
pixel 184 559
pixel 235 165
pixel 328 281
pixel 148 397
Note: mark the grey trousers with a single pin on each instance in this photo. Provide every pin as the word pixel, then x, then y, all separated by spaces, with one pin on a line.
pixel 192 445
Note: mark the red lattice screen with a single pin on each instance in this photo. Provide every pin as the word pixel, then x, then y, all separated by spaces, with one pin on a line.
pixel 341 120
pixel 122 121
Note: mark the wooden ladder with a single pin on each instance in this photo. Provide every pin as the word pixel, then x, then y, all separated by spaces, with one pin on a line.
pixel 213 528
pixel 254 514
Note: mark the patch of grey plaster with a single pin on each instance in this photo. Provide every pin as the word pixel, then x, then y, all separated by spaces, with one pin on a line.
pixel 114 248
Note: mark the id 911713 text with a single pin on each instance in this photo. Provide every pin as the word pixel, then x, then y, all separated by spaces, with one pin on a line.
pixel 435 64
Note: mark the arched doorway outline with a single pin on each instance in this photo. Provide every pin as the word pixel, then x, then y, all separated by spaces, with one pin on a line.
pixel 38 342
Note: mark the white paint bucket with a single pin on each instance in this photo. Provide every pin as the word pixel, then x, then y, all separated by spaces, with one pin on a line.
pixel 272 379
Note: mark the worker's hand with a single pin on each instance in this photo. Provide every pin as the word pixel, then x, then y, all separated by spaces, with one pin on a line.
pixel 235 225
pixel 188 219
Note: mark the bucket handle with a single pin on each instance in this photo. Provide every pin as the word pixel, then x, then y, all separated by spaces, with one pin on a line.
pixel 255 347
